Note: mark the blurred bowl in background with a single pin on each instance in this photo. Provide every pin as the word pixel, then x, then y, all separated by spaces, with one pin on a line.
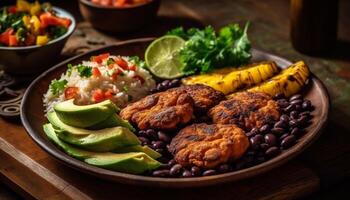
pixel 30 60
pixel 123 19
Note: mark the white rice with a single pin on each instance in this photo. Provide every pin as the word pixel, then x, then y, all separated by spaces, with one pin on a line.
pixel 126 88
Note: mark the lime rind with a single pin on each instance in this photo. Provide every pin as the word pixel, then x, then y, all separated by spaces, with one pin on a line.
pixel 162 57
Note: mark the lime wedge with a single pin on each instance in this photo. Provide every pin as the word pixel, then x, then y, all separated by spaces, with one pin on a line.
pixel 162 57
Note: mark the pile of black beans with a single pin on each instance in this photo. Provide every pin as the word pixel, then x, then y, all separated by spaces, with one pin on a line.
pixel 266 142
pixel 166 84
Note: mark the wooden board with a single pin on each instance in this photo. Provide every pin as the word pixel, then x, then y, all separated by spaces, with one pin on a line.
pixel 34 174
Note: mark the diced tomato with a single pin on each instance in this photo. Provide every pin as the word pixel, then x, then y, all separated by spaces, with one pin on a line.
pixel 120 3
pixel 115 74
pixel 109 94
pixel 96 72
pixel 5 36
pixel 132 67
pixel 12 9
pixel 122 63
pixel 47 19
pixel 98 96
pixel 70 92
pixel 100 58
pixel 139 78
pixel 13 41
pixel 30 40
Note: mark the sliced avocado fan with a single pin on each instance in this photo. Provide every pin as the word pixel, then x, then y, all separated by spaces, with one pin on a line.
pixel 112 121
pixel 132 162
pixel 99 140
pixel 84 116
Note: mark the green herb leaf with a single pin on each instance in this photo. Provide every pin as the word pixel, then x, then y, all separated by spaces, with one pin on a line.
pixel 137 61
pixel 110 61
pixel 125 89
pixel 70 69
pixel 57 86
pixel 205 50
pixel 84 71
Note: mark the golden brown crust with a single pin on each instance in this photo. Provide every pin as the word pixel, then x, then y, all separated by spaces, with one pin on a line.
pixel 207 146
pixel 176 106
pixel 246 109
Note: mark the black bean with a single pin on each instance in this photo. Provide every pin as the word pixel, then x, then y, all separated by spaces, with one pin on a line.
pixel 153 90
pixel 305 113
pixel 158 144
pixel 284 118
pixel 255 130
pixel 265 129
pixel 250 134
pixel 298 108
pixel 282 103
pixel 277 131
pixel 240 164
pixel 270 139
pixel 250 153
pixel 288 142
pixel 161 173
pixel 142 133
pixel 161 151
pixel 289 108
pixel 296 131
pixel 171 162
pixel 186 173
pixel 165 83
pixel 272 152
pixel 294 114
pixel 163 137
pixel 175 170
pixel 284 136
pixel 144 141
pixel 296 102
pixel 256 141
pixel 175 82
pixel 295 97
pixel 209 172
pixel 196 171
pixel 264 146
pixel 293 123
pixel 152 134
pixel 224 168
pixel 260 159
pixel 279 96
pixel 280 124
pixel 160 87
pixel 303 120
pixel 306 105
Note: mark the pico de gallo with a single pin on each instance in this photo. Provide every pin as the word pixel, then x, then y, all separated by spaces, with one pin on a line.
pixel 27 24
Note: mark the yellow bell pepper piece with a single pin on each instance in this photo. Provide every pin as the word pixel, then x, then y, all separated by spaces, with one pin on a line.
pixel 42 40
pixel 26 21
pixel 36 23
pixel 23 6
pixel 35 8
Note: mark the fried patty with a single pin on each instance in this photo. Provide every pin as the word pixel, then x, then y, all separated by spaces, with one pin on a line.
pixel 167 110
pixel 247 110
pixel 207 146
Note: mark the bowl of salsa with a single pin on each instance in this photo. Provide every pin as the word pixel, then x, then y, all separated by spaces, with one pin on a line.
pixel 119 15
pixel 32 35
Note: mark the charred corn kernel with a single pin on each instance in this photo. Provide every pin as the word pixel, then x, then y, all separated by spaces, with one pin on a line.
pixel 34 20
pixel 228 80
pixel 35 8
pixel 42 40
pixel 289 81
pixel 23 6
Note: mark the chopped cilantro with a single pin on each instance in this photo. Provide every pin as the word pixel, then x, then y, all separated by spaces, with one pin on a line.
pixel 110 61
pixel 125 89
pixel 84 71
pixel 57 86
pixel 137 61
pixel 70 69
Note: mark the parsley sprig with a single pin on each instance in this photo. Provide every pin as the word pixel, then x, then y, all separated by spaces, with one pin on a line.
pixel 57 86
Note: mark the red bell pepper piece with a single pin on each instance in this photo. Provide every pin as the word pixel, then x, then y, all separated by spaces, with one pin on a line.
pixel 70 92
pixel 96 72
pixel 98 96
pixel 122 63
pixel 13 41
pixel 47 19
pixel 100 58
pixel 5 36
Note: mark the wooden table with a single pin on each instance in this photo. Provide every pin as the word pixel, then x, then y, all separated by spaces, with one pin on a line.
pixel 34 174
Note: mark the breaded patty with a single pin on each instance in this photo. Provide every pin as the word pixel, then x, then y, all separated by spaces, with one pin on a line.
pixel 176 106
pixel 246 109
pixel 207 146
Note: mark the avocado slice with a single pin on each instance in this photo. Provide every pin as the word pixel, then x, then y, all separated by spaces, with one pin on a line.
pixel 95 140
pixel 112 121
pixel 138 148
pixel 133 162
pixel 84 116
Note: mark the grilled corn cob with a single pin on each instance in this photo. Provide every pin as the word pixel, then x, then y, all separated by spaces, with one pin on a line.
pixel 228 80
pixel 289 81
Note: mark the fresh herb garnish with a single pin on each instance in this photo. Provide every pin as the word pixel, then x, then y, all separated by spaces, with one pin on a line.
pixel 57 86
pixel 110 61
pixel 70 69
pixel 137 61
pixel 205 50
pixel 84 71
pixel 56 31
pixel 125 89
